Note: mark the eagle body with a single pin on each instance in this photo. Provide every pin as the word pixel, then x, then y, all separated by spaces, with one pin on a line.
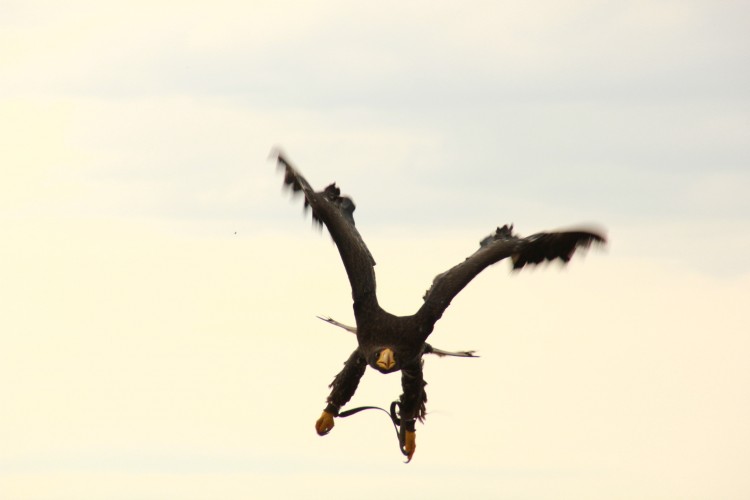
pixel 390 343
pixel 405 335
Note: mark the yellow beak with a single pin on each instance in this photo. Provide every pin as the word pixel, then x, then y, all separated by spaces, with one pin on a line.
pixel 386 359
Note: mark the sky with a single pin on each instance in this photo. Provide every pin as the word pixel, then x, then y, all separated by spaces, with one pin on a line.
pixel 159 290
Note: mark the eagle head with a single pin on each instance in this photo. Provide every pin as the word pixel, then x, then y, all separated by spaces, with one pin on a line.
pixel 384 360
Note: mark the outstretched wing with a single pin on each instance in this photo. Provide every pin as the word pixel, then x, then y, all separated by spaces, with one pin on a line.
pixel 336 212
pixel 500 245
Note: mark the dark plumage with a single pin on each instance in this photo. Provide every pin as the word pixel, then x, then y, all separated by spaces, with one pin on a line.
pixel 390 343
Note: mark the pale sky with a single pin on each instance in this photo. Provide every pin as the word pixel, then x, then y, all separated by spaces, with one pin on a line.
pixel 149 352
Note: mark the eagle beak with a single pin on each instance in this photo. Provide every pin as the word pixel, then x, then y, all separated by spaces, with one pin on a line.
pixel 386 359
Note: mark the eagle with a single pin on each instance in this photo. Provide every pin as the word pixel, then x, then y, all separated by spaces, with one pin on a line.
pixel 389 343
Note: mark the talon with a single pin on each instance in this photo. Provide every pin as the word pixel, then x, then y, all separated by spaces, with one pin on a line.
pixel 324 424
pixel 410 445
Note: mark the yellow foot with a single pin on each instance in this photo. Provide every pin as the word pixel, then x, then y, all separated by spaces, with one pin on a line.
pixel 410 445
pixel 324 424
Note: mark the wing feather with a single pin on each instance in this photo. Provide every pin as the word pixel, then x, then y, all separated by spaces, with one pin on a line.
pixel 336 213
pixel 503 244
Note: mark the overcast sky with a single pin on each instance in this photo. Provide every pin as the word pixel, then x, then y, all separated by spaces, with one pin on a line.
pixel 157 310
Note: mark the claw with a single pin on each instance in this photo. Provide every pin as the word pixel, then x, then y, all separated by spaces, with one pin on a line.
pixel 324 424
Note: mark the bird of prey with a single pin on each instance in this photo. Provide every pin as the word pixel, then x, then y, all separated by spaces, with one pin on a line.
pixel 391 343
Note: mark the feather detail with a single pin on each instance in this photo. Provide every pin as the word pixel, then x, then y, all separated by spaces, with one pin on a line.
pixel 336 212
pixel 332 321
pixel 441 353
